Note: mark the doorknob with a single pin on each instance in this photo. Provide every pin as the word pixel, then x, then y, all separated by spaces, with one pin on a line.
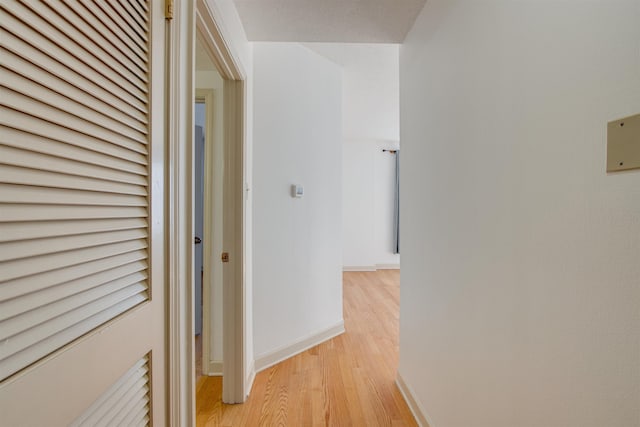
pixel 197 240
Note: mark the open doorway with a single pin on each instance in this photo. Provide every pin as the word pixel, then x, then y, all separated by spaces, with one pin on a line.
pixel 181 64
pixel 208 166
pixel 198 222
pixel 370 152
pixel 216 79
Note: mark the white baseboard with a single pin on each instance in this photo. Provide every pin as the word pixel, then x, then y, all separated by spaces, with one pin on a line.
pixel 215 369
pixel 416 409
pixel 359 268
pixel 371 267
pixel 267 360
pixel 252 376
pixel 387 266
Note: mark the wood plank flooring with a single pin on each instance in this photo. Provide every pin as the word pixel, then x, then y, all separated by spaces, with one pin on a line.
pixel 346 381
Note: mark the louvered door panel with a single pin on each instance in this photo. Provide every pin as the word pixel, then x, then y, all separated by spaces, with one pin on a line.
pixel 74 179
pixel 125 403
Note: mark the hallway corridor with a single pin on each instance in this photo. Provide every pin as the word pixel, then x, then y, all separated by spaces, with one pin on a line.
pixel 347 381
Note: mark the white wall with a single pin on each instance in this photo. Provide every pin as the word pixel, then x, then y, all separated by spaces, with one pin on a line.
pixel 520 256
pixel 297 243
pixel 370 110
pixel 367 205
pixel 370 103
pixel 358 205
pixel 384 199
pixel 248 223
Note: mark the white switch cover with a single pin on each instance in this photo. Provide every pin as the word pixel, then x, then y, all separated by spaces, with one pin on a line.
pixel 297 191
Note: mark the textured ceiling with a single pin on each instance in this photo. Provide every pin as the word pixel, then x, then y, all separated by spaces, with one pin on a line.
pixel 341 21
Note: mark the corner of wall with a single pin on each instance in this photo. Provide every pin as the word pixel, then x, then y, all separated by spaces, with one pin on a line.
pixel 409 396
pixel 251 376
pixel 297 133
pixel 283 353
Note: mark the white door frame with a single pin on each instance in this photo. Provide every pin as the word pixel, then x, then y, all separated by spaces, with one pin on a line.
pixel 189 15
pixel 214 41
pixel 210 239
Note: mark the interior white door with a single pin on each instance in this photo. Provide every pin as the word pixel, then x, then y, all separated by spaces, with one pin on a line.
pixel 82 173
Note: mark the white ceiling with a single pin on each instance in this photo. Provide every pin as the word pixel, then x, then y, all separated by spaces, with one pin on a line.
pixel 341 21
pixel 358 57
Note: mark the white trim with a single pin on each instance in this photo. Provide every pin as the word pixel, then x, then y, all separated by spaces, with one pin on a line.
pixel 180 66
pixel 418 412
pixel 387 266
pixel 214 368
pixel 274 357
pixel 212 31
pixel 371 267
pixel 250 377
pixel 213 38
pixel 359 268
pixel 234 333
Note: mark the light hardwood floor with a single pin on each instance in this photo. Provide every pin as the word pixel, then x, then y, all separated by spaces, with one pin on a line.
pixel 346 381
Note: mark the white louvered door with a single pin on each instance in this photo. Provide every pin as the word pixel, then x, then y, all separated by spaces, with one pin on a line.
pixel 82 174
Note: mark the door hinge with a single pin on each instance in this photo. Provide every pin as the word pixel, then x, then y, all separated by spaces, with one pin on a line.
pixel 168 9
pixel 225 257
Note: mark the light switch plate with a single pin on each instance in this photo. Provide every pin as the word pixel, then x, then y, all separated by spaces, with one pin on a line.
pixel 623 144
pixel 297 191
